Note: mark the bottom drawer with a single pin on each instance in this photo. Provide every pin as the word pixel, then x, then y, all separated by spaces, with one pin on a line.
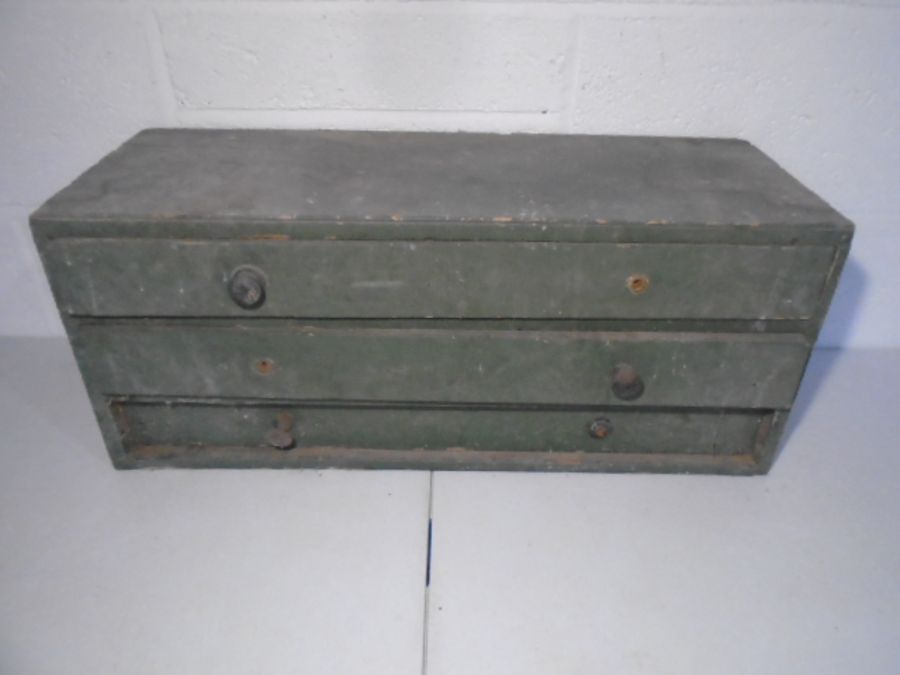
pixel 283 434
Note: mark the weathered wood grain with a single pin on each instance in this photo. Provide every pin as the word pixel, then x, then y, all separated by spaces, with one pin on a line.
pixel 519 367
pixel 441 301
pixel 485 280
pixel 458 459
pixel 199 422
pixel 432 178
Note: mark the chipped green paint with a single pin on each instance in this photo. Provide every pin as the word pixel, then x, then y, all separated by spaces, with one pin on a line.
pixel 483 280
pixel 453 301
pixel 228 423
pixel 720 370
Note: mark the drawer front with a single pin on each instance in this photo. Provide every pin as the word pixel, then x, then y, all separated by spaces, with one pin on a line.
pixel 486 280
pixel 455 366
pixel 249 425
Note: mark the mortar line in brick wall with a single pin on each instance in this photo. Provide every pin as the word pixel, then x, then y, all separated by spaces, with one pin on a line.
pixel 410 120
pixel 163 78
pixel 545 8
pixel 419 7
pixel 391 111
pixel 573 59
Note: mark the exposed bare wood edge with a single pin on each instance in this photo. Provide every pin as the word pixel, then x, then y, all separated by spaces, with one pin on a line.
pixel 187 229
pixel 387 220
pixel 762 436
pixel 117 401
pixel 768 325
pixel 767 440
pixel 450 459
pixel 503 331
pixel 829 286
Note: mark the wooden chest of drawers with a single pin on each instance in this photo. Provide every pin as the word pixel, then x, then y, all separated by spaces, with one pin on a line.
pixel 263 298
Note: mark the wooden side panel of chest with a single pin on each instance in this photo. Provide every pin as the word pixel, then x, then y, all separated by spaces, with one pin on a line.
pixel 494 343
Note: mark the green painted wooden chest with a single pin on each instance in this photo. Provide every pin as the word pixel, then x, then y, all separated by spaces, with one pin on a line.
pixel 273 298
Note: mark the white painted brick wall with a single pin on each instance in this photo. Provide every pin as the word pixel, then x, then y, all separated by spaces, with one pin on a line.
pixel 815 84
pixel 306 57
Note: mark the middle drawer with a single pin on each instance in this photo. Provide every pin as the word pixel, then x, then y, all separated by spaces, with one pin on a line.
pixel 712 370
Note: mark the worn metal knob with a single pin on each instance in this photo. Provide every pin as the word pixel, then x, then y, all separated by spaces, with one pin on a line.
pixel 600 428
pixel 278 438
pixel 247 287
pixel 281 437
pixel 626 383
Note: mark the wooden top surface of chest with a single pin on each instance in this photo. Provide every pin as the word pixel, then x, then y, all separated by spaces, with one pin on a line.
pixel 424 300
pixel 431 181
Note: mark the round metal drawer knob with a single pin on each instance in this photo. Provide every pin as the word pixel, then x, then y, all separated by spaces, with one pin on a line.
pixel 281 437
pixel 247 287
pixel 626 383
pixel 600 428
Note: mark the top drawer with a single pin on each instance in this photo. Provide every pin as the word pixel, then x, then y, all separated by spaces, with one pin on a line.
pixel 431 279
